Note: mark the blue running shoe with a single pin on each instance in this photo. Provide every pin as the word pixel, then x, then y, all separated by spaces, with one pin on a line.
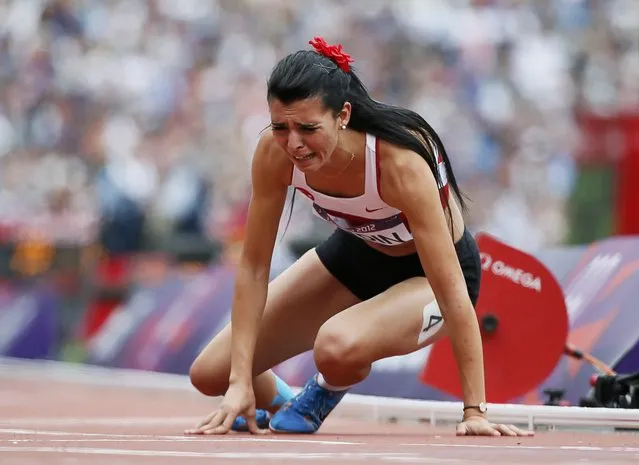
pixel 262 418
pixel 305 413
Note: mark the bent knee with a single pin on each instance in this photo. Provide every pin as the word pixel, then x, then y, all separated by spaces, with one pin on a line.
pixel 337 347
pixel 207 379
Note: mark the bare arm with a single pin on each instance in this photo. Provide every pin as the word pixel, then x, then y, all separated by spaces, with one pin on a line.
pixel 408 184
pixel 269 171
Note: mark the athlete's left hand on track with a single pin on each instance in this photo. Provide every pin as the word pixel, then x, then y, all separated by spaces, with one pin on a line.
pixel 480 426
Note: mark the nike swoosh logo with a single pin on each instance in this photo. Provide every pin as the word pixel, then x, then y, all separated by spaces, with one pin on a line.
pixel 374 209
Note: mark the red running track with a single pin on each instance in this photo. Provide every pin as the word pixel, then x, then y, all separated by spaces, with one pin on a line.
pixel 65 422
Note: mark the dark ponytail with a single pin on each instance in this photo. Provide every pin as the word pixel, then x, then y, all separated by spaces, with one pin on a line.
pixel 399 126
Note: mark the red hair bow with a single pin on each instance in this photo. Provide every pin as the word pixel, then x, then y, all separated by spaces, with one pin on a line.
pixel 334 52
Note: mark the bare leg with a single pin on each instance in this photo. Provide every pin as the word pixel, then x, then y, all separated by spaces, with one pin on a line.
pixel 389 324
pixel 299 301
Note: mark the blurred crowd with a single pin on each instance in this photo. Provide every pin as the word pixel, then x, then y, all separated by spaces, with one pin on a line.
pixel 131 120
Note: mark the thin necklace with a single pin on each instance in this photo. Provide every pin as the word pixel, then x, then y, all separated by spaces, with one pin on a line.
pixel 343 169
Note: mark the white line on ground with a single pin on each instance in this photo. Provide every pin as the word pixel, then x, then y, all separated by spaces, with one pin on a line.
pixel 70 436
pixel 167 440
pixel 262 455
pixel 77 436
pixel 117 421
pixel 523 447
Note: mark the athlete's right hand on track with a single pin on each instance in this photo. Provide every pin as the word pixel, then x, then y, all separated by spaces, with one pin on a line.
pixel 238 400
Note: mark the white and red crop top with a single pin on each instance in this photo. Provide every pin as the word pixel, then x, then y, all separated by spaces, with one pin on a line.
pixel 366 216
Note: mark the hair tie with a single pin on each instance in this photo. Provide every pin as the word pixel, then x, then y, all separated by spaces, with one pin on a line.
pixel 334 52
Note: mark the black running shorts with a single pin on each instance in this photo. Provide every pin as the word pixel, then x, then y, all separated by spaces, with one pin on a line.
pixel 366 272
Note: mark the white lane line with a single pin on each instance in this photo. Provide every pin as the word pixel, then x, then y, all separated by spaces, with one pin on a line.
pixel 76 436
pixel 329 456
pixel 166 440
pixel 110 437
pixel 524 447
pixel 113 421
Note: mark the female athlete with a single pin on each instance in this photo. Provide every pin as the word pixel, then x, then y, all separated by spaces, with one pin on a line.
pixel 399 272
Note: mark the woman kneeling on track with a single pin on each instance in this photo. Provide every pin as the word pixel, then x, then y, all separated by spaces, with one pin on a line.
pixel 399 272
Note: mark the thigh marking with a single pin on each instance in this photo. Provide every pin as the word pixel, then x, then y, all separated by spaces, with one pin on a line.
pixel 431 323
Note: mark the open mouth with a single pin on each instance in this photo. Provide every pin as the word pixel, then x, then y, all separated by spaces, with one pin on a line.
pixel 304 157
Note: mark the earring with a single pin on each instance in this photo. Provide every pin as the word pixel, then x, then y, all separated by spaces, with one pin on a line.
pixel 343 126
